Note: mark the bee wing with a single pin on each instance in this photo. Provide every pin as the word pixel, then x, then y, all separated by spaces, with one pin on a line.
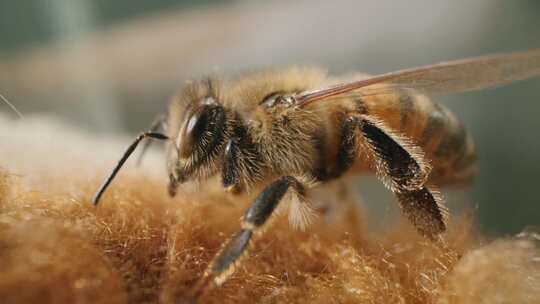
pixel 442 78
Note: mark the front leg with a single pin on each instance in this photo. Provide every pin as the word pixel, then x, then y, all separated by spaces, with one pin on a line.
pixel 253 220
pixel 230 175
pixel 242 164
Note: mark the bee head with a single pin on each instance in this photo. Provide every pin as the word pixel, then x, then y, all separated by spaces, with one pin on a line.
pixel 201 133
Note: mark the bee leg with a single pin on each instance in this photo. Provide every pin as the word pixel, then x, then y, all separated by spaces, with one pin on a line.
pixel 398 161
pixel 346 153
pixel 403 170
pixel 352 202
pixel 172 188
pixel 425 210
pixel 231 172
pixel 157 125
pixel 255 217
pixel 348 148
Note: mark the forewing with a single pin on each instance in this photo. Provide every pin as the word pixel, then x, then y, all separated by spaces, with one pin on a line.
pixel 442 78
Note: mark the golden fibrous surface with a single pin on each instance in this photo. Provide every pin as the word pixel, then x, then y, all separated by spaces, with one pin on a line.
pixel 140 246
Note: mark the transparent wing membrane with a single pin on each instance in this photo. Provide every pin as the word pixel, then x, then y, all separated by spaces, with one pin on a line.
pixel 442 78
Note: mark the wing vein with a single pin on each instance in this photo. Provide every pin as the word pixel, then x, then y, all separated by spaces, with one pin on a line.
pixel 443 78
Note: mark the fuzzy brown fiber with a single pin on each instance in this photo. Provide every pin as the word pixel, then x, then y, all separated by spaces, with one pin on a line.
pixel 140 246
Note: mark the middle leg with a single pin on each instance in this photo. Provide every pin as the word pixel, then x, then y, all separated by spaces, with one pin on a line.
pixel 255 218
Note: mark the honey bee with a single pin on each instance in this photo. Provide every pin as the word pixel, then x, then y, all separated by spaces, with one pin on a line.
pixel 293 129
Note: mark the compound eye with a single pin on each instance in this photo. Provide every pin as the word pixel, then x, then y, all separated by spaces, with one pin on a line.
pixel 193 130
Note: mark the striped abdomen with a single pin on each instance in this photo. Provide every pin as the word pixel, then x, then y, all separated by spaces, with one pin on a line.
pixel 445 142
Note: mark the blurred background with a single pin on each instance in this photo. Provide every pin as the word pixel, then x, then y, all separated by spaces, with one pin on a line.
pixel 108 67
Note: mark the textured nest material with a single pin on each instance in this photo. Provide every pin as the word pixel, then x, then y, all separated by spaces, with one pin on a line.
pixel 139 246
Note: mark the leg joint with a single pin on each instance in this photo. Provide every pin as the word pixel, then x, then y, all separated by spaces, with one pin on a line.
pixel 268 200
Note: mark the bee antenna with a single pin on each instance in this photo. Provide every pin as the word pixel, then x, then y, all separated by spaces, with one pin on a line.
pixel 122 160
pixel 157 124
pixel 11 106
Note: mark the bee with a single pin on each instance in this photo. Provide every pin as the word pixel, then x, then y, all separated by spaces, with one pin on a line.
pixel 293 129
